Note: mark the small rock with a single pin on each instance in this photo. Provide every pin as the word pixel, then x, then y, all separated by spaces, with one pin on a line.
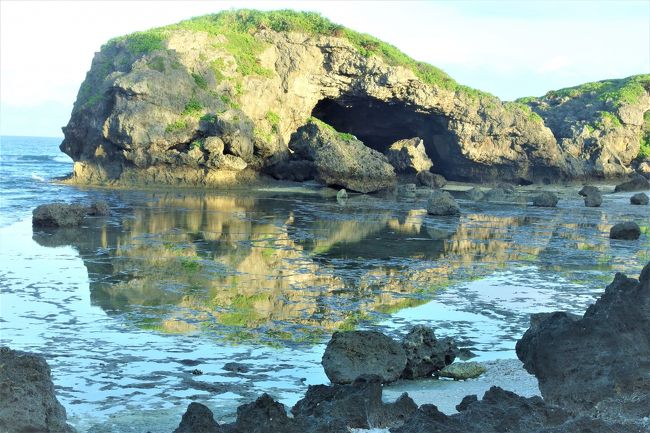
pixel 236 367
pixel 442 203
pixel 197 372
pixel 58 215
pixel 409 156
pixel 588 190
pixel 407 191
pixel 99 208
pixel 545 199
pixel 349 355
pixel 627 231
pixel 425 354
pixel 342 195
pixel 475 194
pixel 263 415
pixel 594 199
pixel 639 199
pixel 637 183
pixel 431 180
pixel 462 371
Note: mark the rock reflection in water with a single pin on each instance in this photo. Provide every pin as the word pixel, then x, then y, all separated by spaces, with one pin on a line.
pixel 278 268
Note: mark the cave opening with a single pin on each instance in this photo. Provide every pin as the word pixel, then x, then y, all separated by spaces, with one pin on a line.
pixel 378 124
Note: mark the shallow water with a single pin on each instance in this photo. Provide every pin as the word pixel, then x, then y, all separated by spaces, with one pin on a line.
pixel 127 306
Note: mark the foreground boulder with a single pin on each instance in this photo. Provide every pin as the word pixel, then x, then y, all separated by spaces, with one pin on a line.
pixel 462 371
pixel 442 203
pixel 409 156
pixel 341 160
pixel 349 355
pixel 425 354
pixel 58 215
pixel 637 183
pixel 27 400
pixel 198 418
pixel 628 231
pixel 594 199
pixel 605 354
pixel 431 180
pixel 545 199
pixel 639 199
pixel 588 190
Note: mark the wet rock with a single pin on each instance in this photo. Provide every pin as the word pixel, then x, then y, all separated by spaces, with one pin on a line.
pixel 341 160
pixel 264 415
pixel 357 405
pixel 27 399
pixel 594 199
pixel 349 355
pixel 628 231
pixel 466 401
pixel 236 367
pixel 98 208
pixel 58 215
pixel 198 419
pixel 475 194
pixel 407 191
pixel 342 195
pixel 409 156
pixel 425 354
pixel 431 180
pixel 462 371
pixel 545 199
pixel 588 190
pixel 197 372
pixel 442 203
pixel 603 355
pixel 639 199
pixel 637 183
pixel 644 169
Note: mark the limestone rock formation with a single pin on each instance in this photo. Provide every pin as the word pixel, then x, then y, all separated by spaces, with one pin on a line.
pixel 27 400
pixel 637 183
pixel 580 362
pixel 425 354
pixel 349 355
pixel 432 180
pixel 214 100
pixel 409 156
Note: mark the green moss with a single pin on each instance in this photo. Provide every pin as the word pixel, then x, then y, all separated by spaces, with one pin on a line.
pixel 518 106
pixel 200 80
pixel 607 120
pixel 192 108
pixel 644 140
pixel 158 64
pixel 217 67
pixel 142 42
pixel 617 92
pixel 341 135
pixel 274 121
pixel 198 144
pixel 177 125
pixel 229 102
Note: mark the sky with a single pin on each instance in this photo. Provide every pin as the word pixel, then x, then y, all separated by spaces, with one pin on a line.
pixel 508 48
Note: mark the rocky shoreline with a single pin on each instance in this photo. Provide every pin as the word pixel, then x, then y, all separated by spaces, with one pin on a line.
pixel 593 374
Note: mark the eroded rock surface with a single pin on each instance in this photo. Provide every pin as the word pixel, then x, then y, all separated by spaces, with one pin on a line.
pixel 425 353
pixel 639 199
pixel 58 215
pixel 628 231
pixel 637 183
pixel 442 203
pixel 409 156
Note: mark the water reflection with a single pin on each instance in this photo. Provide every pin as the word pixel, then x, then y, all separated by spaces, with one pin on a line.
pixel 280 268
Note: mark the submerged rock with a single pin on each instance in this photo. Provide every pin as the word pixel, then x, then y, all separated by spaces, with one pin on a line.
pixel 545 199
pixel 425 354
pixel 475 194
pixel 58 215
pixel 27 399
pixel 341 195
pixel 442 203
pixel 431 180
pixel 341 160
pixel 98 208
pixel 409 156
pixel 198 418
pixel 580 362
pixel 639 199
pixel 349 355
pixel 637 183
pixel 408 191
pixel 627 231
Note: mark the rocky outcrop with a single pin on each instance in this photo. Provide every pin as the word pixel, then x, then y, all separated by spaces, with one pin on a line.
pixel 198 418
pixel 602 356
pixel 628 230
pixel 425 354
pixel 409 156
pixel 432 180
pixel 341 160
pixel 27 400
pixel 349 355
pixel 58 215
pixel 442 203
pixel 214 100
pixel 637 183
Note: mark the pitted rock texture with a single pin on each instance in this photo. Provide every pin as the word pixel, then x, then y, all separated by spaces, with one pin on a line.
pixel 153 105
pixel 409 156
pixel 426 354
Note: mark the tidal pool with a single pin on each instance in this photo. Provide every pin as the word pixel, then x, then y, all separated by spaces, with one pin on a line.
pixel 126 307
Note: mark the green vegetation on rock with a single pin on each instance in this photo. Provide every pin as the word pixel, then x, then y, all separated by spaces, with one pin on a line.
pixel 200 80
pixel 342 135
pixel 177 125
pixel 274 121
pixel 192 108
pixel 644 149
pixel 618 92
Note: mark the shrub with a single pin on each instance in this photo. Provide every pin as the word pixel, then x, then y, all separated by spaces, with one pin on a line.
pixel 200 80
pixel 192 108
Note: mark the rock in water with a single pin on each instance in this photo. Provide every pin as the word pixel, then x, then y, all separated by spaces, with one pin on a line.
pixel 639 199
pixel 341 160
pixel 342 195
pixel 442 203
pixel 432 180
pixel 98 208
pixel 264 415
pixel 198 419
pixel 628 231
pixel 475 194
pixel 580 362
pixel 462 371
pixel 545 199
pixel 409 156
pixel 27 399
pixel 637 183
pixel 593 199
pixel 58 215
pixel 588 190
pixel 425 354
pixel 349 355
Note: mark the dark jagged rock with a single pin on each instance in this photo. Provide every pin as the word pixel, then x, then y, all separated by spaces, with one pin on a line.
pixel 407 191
pixel 580 362
pixel 58 215
pixel 357 405
pixel 639 199
pixel 628 231
pixel 588 190
pixel 637 183
pixel 409 156
pixel 545 199
pixel 425 354
pixel 432 180
pixel 594 199
pixel 198 419
pixel 466 401
pixel 98 208
pixel 27 400
pixel 236 367
pixel 341 160
pixel 349 355
pixel 264 415
pixel 442 203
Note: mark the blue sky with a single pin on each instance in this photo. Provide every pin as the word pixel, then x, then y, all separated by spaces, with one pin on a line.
pixel 508 48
